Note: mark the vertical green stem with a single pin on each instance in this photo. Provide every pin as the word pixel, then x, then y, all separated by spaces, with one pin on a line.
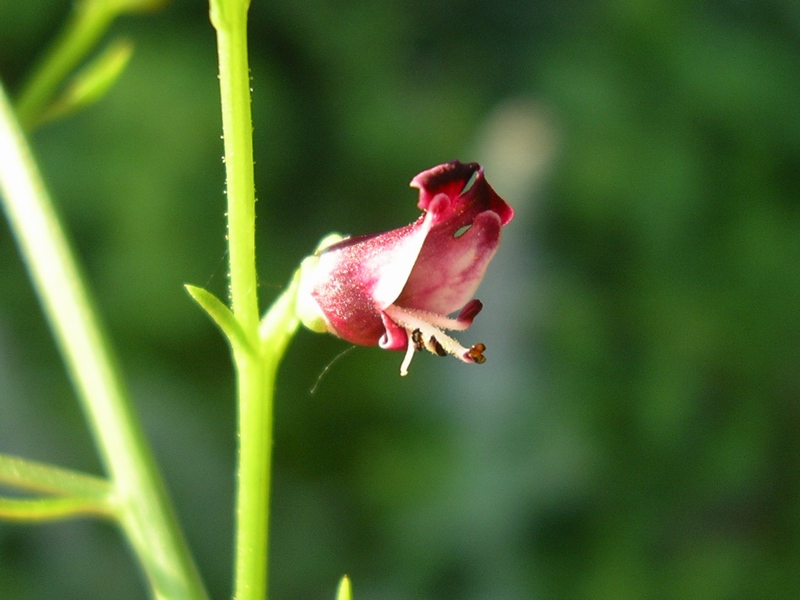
pixel 237 126
pixel 256 385
pixel 145 511
pixel 255 375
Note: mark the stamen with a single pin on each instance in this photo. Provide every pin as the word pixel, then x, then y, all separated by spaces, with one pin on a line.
pixel 423 331
pixel 416 338
pixel 410 349
pixel 440 321
pixel 434 346
pixel 476 353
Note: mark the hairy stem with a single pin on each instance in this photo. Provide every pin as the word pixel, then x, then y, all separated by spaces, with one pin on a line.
pixel 255 377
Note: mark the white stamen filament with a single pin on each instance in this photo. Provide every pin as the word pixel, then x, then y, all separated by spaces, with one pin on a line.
pixel 427 329
pixel 437 320
pixel 410 349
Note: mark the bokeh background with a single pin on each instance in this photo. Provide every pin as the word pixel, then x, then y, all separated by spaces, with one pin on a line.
pixel 635 432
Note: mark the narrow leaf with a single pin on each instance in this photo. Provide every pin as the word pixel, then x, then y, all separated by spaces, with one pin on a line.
pixel 92 82
pixel 344 592
pixel 222 316
pixel 24 474
pixel 52 509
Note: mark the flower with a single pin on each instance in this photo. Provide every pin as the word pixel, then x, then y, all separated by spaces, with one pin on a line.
pixel 395 289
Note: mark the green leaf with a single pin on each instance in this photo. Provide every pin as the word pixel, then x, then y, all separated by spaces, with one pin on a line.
pixel 33 476
pixel 77 494
pixel 306 307
pixel 53 509
pixel 344 592
pixel 89 20
pixel 92 82
pixel 222 316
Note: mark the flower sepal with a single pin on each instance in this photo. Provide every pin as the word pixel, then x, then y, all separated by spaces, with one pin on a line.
pixel 307 309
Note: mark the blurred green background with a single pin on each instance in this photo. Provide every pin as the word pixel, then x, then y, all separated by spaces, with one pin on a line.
pixel 635 432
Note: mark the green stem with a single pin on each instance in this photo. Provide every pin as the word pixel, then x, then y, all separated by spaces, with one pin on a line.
pixel 145 512
pixel 254 477
pixel 256 360
pixel 230 22
pixel 256 396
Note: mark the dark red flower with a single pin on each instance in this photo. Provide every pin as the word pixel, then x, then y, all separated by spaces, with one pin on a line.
pixel 395 289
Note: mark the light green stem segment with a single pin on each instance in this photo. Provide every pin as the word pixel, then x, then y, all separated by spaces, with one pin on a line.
pixel 230 21
pixel 144 510
pixel 257 348
pixel 256 368
pixel 256 376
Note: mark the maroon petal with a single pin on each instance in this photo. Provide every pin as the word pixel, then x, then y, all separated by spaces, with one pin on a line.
pixel 450 180
pixel 394 337
pixel 469 312
pixel 449 269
